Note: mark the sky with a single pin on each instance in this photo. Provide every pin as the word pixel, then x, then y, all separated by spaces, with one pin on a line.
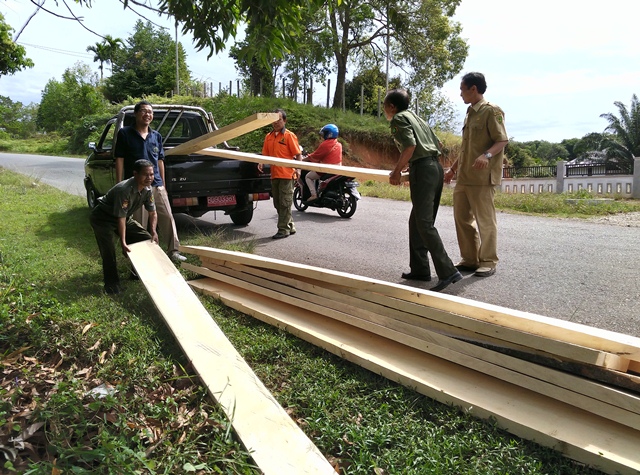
pixel 553 66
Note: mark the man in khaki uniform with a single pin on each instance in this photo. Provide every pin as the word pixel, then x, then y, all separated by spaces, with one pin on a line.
pixel 479 171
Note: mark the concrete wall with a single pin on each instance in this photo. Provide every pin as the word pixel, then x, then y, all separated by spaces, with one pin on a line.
pixel 627 186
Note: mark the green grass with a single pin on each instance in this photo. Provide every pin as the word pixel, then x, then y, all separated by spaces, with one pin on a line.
pixel 61 337
pixel 51 144
pixel 545 204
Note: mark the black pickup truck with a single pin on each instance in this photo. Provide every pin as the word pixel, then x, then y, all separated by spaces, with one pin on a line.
pixel 195 183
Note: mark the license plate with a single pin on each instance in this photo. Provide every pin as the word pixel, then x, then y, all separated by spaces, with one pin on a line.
pixel 224 200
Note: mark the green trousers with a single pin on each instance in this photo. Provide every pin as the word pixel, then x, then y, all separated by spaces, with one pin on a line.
pixel 426 179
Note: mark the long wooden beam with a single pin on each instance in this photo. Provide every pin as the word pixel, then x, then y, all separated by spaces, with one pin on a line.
pixel 602 400
pixel 225 133
pixel 616 344
pixel 277 445
pixel 443 322
pixel 362 174
pixel 591 439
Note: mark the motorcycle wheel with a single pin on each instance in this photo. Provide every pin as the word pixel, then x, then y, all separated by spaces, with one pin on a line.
pixel 350 203
pixel 297 199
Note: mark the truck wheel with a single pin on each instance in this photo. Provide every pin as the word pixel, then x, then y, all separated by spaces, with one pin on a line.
pixel 297 199
pixel 92 196
pixel 242 218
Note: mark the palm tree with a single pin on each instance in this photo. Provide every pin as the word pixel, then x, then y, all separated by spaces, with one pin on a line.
pixel 100 51
pixel 624 143
pixel 113 45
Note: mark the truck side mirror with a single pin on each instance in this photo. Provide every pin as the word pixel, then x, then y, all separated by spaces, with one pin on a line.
pixel 92 146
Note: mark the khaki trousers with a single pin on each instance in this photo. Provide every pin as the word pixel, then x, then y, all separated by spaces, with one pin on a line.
pixel 474 213
pixel 167 232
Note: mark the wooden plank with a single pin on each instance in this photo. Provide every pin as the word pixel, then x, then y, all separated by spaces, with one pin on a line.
pixel 276 443
pixel 362 174
pixel 474 331
pixel 225 133
pixel 607 402
pixel 624 346
pixel 456 326
pixel 611 447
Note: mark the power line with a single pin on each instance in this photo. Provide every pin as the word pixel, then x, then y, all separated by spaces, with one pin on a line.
pixel 55 50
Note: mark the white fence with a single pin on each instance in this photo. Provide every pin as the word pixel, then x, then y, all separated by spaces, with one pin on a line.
pixel 621 185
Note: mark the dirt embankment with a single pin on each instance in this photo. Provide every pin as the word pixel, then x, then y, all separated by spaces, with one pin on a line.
pixel 367 152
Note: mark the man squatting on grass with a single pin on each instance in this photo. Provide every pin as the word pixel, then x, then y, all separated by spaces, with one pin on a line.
pixel 420 148
pixel 112 217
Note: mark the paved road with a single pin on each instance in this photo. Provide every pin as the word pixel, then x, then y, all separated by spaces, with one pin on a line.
pixel 581 271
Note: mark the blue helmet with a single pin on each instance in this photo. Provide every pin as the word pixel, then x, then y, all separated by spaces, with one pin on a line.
pixel 329 131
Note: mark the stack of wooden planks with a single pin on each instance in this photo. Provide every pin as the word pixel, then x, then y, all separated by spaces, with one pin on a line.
pixel 563 385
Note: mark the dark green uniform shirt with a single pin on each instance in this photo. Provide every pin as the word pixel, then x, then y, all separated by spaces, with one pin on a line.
pixel 408 130
pixel 124 198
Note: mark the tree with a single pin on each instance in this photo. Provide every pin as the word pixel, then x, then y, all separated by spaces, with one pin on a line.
pixel 275 26
pixel 624 144
pixel 12 56
pixel 101 55
pixel 17 119
pixel 112 46
pixel 146 65
pixel 258 76
pixel 105 51
pixel 426 43
pixel 64 102
pixel 518 154
pixel 589 143
pixel 373 81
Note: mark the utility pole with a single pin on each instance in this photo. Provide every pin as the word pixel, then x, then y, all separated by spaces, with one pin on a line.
pixel 177 64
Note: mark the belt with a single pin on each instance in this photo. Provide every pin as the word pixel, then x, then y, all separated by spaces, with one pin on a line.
pixel 428 157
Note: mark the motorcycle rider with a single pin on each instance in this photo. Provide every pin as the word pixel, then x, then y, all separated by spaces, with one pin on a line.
pixel 329 152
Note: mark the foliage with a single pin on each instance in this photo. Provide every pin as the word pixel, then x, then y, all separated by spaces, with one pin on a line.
pixel 100 55
pixel 105 51
pixel 64 103
pixel 62 338
pixel 40 144
pixel 624 145
pixel 275 26
pixel 146 65
pixel 373 81
pixel 12 56
pixel 426 43
pixel 88 129
pixel 258 76
pixel 16 119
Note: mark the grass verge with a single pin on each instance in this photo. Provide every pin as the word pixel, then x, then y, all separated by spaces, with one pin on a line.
pixel 544 204
pixel 94 384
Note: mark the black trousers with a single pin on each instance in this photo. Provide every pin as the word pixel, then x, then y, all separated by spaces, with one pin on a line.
pixel 426 179
pixel 105 227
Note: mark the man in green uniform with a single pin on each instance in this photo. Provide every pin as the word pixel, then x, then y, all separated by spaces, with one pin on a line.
pixel 479 171
pixel 419 148
pixel 112 217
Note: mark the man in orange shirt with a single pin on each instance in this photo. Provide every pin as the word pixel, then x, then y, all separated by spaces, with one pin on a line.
pixel 282 143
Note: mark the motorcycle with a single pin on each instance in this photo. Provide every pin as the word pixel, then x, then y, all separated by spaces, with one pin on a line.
pixel 336 192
